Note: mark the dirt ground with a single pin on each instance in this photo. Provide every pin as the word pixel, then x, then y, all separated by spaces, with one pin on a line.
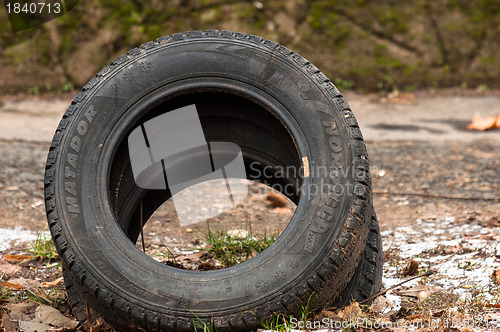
pixel 436 193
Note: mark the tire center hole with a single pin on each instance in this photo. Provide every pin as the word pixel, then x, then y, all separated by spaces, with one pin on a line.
pixel 154 219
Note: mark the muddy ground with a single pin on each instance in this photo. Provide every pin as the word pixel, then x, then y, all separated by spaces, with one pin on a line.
pixel 436 193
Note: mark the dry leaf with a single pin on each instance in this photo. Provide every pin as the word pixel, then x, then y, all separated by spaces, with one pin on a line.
pixel 12 285
pixel 22 311
pixel 414 317
pixel 411 269
pixel 17 258
pixel 479 123
pixel 34 326
pixel 52 283
pixel 7 323
pixel 193 257
pixel 495 276
pixel 276 200
pixel 352 311
pixel 52 316
pixel 26 283
pixel 380 304
pixel 8 268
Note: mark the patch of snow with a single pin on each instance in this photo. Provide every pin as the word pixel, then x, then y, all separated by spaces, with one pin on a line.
pixel 13 236
pixel 459 272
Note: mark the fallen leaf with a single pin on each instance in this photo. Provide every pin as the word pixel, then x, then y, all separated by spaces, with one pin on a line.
pixel 352 311
pixel 26 283
pixel 495 276
pixel 276 200
pixel 12 188
pixel 17 258
pixel 380 304
pixel 414 317
pixel 22 311
pixel 52 283
pixel 8 268
pixel 51 316
pixel 411 269
pixel 12 285
pixel 480 123
pixel 7 324
pixel 413 292
pixel 193 257
pixel 34 327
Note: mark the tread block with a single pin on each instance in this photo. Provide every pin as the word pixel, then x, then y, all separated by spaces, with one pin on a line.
pixel 212 33
pixel 163 40
pixel 122 58
pixel 194 34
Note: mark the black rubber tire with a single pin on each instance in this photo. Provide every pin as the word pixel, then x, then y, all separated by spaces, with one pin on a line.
pixel 288 108
pixel 367 281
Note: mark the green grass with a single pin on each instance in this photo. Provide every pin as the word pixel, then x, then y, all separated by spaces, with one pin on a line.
pixel 43 247
pixel 231 250
pixel 278 322
pixel 282 323
pixel 171 258
pixel 200 325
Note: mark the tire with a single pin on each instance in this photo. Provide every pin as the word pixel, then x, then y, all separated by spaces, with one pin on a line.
pixel 280 110
pixel 367 280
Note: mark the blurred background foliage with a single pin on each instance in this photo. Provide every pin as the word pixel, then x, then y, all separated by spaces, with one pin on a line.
pixel 365 45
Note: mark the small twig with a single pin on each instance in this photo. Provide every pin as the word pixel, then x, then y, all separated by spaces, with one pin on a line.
pixel 92 328
pixel 426 274
pixel 492 199
pixel 89 317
